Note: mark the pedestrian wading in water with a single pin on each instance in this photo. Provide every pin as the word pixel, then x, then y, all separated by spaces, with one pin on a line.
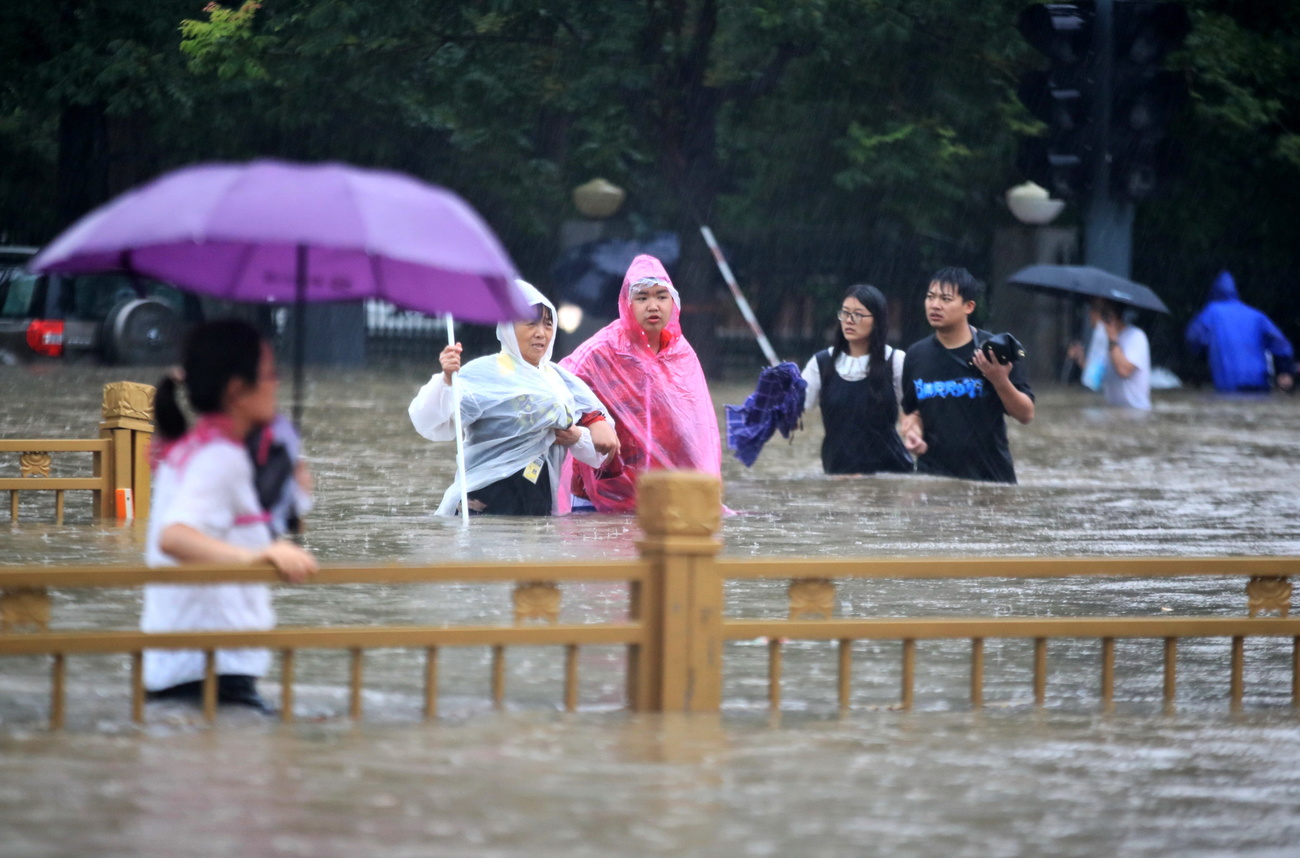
pixel 206 510
pixel 857 383
pixel 522 416
pixel 643 369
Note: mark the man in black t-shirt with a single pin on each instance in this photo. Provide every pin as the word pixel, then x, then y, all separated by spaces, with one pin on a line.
pixel 955 395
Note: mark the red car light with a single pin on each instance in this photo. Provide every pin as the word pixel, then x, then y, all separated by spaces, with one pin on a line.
pixel 45 337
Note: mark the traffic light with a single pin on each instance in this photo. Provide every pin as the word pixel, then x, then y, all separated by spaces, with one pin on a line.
pixel 1061 96
pixel 1145 98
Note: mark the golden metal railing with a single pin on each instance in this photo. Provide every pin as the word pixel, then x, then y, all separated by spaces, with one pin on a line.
pixel 676 630
pixel 813 593
pixel 24 603
pixel 120 457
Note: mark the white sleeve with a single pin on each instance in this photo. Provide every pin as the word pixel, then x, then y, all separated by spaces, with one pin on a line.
pixel 585 451
pixel 207 497
pixel 897 359
pixel 1137 349
pixel 812 374
pixel 431 410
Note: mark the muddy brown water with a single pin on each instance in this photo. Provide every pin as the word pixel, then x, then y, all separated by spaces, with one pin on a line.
pixel 1201 475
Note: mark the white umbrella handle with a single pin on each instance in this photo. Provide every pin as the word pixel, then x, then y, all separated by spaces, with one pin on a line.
pixel 460 436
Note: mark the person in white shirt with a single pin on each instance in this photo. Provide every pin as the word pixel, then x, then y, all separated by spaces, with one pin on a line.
pixel 857 383
pixel 205 510
pixel 522 415
pixel 1126 375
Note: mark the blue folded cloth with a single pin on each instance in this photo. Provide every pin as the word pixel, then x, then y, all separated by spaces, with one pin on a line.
pixel 775 405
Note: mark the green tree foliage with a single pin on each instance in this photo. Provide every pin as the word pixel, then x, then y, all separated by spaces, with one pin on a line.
pixel 1230 209
pixel 825 141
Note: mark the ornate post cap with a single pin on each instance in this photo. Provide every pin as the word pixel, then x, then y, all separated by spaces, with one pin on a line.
pixel 128 400
pixel 679 503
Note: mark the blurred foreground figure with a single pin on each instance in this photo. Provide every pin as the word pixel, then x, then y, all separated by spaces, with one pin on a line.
pixel 647 374
pixel 206 510
pixel 1238 337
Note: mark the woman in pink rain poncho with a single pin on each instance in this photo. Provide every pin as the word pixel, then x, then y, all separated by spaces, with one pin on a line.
pixel 644 371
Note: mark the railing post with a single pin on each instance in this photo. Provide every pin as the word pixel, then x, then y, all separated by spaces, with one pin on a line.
pixel 679 667
pixel 126 420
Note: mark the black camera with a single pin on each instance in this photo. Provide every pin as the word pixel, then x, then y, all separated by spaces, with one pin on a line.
pixel 1003 348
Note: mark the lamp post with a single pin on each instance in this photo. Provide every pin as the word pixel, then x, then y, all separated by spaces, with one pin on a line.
pixel 1032 205
pixel 597 201
pixel 1040 321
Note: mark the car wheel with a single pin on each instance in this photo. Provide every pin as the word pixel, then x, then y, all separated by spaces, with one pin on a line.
pixel 142 331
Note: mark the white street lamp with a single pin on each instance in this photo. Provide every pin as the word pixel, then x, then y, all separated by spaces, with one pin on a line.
pixel 1031 204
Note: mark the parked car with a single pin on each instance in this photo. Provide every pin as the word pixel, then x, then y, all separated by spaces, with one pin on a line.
pixel 116 318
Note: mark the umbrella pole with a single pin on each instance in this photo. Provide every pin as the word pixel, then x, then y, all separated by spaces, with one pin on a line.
pixel 460 437
pixel 299 335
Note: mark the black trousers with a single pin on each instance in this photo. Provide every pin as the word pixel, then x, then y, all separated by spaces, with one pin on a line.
pixel 231 688
pixel 514 495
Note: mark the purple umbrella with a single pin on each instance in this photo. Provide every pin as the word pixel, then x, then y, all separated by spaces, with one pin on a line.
pixel 283 232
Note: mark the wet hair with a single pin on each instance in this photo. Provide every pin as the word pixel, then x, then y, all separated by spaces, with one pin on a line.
pixel 1114 310
pixel 215 353
pixel 961 280
pixel 871 298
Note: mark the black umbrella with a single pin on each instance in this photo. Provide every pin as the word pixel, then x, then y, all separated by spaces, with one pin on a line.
pixel 1089 281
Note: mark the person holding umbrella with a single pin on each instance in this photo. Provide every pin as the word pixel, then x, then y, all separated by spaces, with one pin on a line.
pixel 1126 367
pixel 857 383
pixel 523 416
pixel 206 510
pixel 955 395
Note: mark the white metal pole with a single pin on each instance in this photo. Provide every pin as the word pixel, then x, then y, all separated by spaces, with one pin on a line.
pixel 460 430
pixel 745 310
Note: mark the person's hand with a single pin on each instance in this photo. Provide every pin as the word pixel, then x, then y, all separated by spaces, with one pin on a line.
pixel 302 476
pixel 913 434
pixel 1075 352
pixel 568 437
pixel 1285 381
pixel 293 564
pixel 450 360
pixel 992 369
pixel 604 438
pixel 1112 324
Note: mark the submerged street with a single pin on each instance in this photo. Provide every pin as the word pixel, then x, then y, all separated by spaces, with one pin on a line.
pixel 1201 475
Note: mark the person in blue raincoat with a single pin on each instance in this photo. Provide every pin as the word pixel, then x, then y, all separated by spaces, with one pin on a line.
pixel 1237 338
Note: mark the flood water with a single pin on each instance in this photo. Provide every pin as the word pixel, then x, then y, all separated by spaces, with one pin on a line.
pixel 1201 475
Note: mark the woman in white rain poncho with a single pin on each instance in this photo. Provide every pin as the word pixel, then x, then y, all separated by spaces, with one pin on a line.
pixel 521 414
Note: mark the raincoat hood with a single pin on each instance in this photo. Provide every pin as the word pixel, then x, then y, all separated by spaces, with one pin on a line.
pixel 646 272
pixel 660 400
pixel 506 330
pixel 1238 339
pixel 1224 288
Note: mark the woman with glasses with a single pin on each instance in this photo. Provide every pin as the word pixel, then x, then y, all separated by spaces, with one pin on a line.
pixel 857 383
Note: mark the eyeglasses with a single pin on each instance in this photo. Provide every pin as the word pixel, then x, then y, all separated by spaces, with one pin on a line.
pixel 850 316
